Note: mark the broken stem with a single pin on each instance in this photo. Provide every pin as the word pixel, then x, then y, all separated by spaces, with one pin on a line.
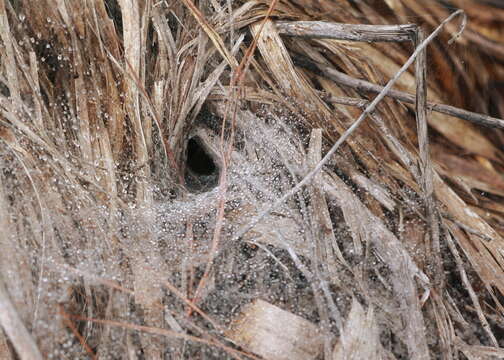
pixel 351 32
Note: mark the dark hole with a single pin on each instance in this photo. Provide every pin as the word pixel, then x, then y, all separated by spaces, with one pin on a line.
pixel 198 161
pixel 202 173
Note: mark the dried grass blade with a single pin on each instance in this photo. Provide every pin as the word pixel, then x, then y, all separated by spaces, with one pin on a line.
pixel 132 55
pixel 82 111
pixel 144 262
pixel 293 84
pixel 38 120
pixel 326 247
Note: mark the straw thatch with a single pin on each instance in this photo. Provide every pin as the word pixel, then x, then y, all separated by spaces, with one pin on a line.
pixel 171 168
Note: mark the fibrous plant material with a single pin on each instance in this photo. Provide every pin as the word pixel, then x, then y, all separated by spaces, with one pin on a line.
pixel 142 145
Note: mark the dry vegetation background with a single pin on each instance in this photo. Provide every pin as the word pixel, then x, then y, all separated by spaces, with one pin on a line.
pixel 139 138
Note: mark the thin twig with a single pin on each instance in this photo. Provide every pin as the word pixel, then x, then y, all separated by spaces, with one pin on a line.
pixel 363 85
pixel 348 132
pixel 167 333
pixel 77 334
pixel 193 307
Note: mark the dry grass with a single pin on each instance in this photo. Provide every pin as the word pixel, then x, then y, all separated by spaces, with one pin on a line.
pixel 123 238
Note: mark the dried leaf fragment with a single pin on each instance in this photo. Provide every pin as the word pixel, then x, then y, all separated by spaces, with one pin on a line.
pixel 275 334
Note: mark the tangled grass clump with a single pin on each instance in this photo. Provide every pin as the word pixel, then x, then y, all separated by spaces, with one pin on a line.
pixel 142 145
